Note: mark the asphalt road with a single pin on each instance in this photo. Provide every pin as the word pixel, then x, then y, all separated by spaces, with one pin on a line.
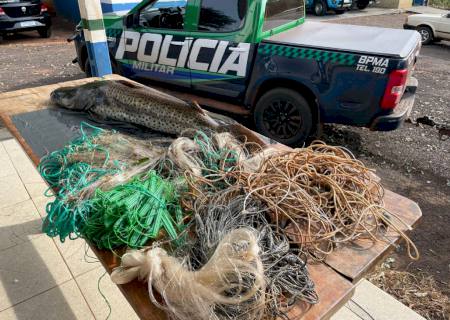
pixel 412 161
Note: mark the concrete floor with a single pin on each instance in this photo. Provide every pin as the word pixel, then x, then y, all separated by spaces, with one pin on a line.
pixel 42 278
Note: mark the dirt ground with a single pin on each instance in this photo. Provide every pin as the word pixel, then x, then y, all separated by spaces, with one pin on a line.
pixel 412 161
pixel 28 61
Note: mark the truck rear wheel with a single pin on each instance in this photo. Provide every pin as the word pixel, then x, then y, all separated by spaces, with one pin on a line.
pixel 320 7
pixel 362 5
pixel 284 115
pixel 45 32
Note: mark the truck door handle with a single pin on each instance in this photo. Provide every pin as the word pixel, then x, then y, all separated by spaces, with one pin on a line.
pixel 238 49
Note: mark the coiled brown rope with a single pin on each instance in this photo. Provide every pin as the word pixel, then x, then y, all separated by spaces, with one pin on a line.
pixel 321 196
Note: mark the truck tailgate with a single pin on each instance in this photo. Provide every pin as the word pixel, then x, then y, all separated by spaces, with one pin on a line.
pixel 395 43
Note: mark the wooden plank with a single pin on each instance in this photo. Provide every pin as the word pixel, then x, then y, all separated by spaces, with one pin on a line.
pixel 334 292
pixel 16 134
pixel 355 259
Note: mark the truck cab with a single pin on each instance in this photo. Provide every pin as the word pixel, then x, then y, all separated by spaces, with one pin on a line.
pixel 321 7
pixel 261 58
pixel 205 45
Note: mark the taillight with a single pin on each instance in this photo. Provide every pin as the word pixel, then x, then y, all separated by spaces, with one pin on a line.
pixel 44 8
pixel 395 89
pixel 2 12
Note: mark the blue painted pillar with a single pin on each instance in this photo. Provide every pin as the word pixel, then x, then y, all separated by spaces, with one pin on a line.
pixel 95 36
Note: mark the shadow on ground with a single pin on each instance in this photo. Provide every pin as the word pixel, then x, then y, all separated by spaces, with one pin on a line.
pixel 18 277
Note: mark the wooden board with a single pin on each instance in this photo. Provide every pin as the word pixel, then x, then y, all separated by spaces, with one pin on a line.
pixel 334 290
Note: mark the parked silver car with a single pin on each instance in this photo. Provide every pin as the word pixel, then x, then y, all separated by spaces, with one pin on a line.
pixel 432 27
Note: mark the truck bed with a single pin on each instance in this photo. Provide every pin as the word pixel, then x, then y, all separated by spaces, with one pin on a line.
pixel 393 43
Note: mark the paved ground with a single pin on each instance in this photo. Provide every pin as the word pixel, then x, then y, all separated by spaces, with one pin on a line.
pixel 412 161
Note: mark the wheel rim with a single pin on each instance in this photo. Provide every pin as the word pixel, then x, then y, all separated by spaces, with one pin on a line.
pixel 425 35
pixel 282 119
pixel 318 7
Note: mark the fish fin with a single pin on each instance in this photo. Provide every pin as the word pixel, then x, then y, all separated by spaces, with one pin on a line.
pixel 197 107
pixel 239 130
pixel 129 84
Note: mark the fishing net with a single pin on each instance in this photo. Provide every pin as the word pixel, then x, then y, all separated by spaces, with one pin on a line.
pixel 68 178
pixel 285 271
pixel 230 224
pixel 133 213
pixel 230 285
pixel 319 196
pixel 98 160
pixel 274 281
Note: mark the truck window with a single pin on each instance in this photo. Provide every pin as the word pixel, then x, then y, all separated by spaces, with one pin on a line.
pixel 222 15
pixel 280 12
pixel 163 14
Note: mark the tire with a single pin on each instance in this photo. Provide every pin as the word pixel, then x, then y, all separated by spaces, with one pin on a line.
pixel 45 32
pixel 339 11
pixel 320 7
pixel 362 6
pixel 426 34
pixel 284 115
pixel 87 68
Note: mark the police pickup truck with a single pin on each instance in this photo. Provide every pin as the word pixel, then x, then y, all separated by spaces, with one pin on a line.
pixel 261 58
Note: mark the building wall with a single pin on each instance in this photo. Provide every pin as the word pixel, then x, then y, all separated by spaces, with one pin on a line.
pixel 405 4
pixel 395 4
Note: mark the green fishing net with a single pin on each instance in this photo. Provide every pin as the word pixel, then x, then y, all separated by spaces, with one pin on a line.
pixel 130 213
pixel 134 213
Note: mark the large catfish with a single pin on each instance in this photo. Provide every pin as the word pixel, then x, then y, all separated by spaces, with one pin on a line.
pixel 126 102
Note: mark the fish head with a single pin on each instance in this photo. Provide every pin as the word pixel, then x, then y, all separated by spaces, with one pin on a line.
pixel 78 97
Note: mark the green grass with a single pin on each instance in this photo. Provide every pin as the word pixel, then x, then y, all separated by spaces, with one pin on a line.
pixel 441 4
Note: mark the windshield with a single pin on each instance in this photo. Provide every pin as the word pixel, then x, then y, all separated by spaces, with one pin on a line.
pixel 280 12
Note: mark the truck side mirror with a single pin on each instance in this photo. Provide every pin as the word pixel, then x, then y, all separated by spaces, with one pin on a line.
pixel 129 20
